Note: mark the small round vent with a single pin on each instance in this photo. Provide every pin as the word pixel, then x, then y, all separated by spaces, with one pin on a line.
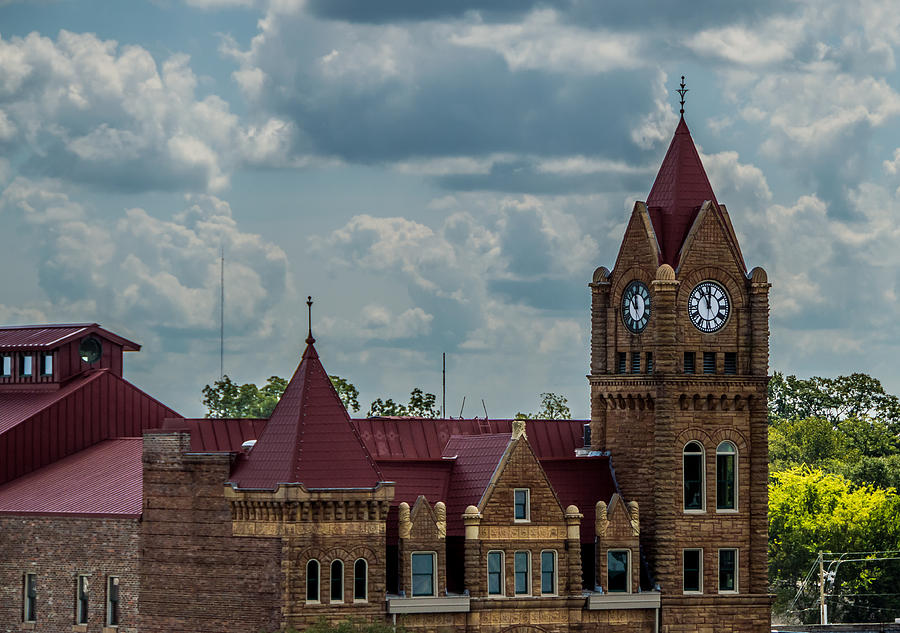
pixel 90 350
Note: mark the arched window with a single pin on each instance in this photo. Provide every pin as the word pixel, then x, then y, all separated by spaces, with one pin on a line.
pixel 693 476
pixel 312 581
pixel 337 581
pixel 726 476
pixel 361 580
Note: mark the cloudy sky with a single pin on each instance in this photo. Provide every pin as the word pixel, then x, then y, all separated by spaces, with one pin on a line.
pixel 441 177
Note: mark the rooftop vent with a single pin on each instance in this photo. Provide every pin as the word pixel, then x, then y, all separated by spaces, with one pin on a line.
pixel 248 445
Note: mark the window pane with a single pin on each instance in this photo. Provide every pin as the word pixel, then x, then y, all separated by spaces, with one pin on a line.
pixel 693 482
pixel 548 572
pixel 423 574
pixel 7 365
pixel 312 580
pixel 726 569
pixel 30 597
pixel 521 567
pixel 112 602
pixel 359 580
pixel 692 570
pixel 337 581
pixel 725 482
pixel 617 570
pixel 82 616
pixel 521 503
pixel 26 365
pixel 47 369
pixel 495 573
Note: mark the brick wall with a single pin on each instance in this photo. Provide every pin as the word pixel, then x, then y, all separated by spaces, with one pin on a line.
pixel 196 576
pixel 57 550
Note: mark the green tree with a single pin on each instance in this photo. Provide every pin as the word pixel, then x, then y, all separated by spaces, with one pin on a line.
pixel 553 407
pixel 421 405
pixel 227 399
pixel 811 511
pixel 855 396
pixel 347 392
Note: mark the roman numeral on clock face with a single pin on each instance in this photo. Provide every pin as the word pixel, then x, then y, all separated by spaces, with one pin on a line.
pixel 708 306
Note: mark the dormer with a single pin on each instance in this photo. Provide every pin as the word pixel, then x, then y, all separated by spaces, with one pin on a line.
pixel 51 354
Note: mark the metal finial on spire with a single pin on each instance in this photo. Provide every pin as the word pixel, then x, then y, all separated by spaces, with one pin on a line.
pixel 681 91
pixel 309 339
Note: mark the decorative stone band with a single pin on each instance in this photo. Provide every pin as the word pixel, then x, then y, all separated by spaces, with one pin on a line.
pixel 250 510
pixel 523 532
pixel 322 528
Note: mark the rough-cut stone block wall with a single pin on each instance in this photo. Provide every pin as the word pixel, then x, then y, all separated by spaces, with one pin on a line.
pixel 58 550
pixel 327 548
pixel 424 537
pixel 546 529
pixel 723 614
pixel 196 576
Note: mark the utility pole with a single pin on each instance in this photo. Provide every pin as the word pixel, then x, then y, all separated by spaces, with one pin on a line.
pixel 823 609
pixel 444 385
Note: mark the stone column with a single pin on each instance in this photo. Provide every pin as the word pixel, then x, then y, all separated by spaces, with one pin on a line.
pixel 405 527
pixel 759 322
pixel 474 565
pixel 663 290
pixel 573 545
pixel 600 288
pixel 601 522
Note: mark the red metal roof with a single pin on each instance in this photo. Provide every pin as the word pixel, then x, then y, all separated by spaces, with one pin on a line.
pixel 217 435
pixel 425 438
pixel 582 481
pixel 309 439
pixel 680 189
pixel 20 337
pixel 476 460
pixel 17 405
pixel 103 480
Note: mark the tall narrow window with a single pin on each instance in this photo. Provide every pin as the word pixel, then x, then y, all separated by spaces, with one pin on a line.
pixel 726 476
pixel 5 366
pixel 27 366
pixel 495 573
pixel 312 581
pixel 635 362
pixel 47 364
pixel 649 358
pixel 522 569
pixel 112 601
pixel 360 580
pixel 709 362
pixel 423 574
pixel 522 504
pixel 690 362
pixel 617 571
pixel 730 362
pixel 727 570
pixel 693 476
pixel 621 365
pixel 693 571
pixel 337 581
pixel 29 610
pixel 81 599
pixel 548 572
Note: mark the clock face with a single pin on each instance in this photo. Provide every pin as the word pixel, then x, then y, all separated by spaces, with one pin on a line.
pixel 708 306
pixel 636 306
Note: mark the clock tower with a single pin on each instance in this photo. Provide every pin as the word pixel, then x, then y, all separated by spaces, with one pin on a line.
pixel 679 368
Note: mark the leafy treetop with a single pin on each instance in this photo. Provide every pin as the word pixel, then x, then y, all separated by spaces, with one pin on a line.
pixel 553 407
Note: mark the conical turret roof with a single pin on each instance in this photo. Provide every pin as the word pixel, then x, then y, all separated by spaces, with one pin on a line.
pixel 309 439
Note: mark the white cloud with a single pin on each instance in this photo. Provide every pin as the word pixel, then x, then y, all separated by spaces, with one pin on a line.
pixel 163 274
pixel 543 41
pixel 756 45
pixel 97 112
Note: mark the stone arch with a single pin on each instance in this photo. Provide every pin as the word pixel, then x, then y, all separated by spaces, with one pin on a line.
pixel 732 435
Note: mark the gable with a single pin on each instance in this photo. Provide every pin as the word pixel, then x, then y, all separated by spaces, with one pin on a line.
pixel 639 248
pixel 710 241
pixel 519 468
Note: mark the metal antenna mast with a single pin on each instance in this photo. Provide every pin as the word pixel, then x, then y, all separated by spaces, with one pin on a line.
pixel 222 315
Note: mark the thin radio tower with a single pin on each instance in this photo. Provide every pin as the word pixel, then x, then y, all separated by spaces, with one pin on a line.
pixel 222 315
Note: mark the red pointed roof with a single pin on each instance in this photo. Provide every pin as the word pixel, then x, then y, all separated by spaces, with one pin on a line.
pixel 309 439
pixel 680 189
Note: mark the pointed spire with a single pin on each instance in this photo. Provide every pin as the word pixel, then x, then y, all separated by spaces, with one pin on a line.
pixel 680 189
pixel 309 439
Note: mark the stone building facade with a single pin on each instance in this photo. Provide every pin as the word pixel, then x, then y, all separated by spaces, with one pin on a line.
pixel 649 517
